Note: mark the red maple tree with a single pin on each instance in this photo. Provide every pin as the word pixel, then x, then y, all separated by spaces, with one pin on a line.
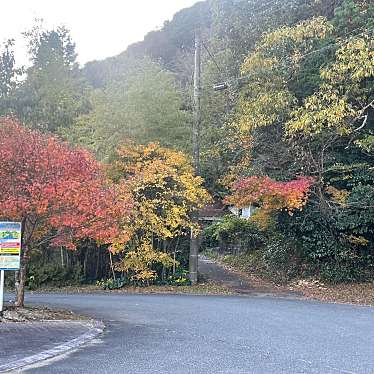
pixel 59 193
pixel 270 195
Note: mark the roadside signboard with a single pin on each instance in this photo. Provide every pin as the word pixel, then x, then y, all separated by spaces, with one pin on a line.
pixel 10 245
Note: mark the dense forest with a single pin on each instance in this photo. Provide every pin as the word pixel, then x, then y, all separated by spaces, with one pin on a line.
pixel 292 135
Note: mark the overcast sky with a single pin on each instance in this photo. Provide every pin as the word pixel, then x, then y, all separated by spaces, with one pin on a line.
pixel 100 28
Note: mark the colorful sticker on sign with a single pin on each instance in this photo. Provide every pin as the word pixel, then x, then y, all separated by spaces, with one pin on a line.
pixel 10 245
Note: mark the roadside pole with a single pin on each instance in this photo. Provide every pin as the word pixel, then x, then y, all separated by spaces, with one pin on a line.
pixel 1 290
pixel 197 104
pixel 194 243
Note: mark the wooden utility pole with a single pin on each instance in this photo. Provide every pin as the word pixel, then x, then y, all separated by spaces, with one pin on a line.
pixel 194 243
pixel 197 104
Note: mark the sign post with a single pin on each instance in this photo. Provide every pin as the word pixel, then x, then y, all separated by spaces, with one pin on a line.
pixel 1 290
pixel 10 251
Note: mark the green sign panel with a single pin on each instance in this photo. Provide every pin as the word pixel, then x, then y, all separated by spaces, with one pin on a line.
pixel 10 245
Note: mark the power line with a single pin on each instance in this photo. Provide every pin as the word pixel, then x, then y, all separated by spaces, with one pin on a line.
pixel 267 7
pixel 254 12
pixel 263 9
pixel 213 59
pixel 228 82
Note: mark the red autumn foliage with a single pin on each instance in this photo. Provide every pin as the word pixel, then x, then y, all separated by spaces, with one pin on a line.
pixel 270 194
pixel 59 193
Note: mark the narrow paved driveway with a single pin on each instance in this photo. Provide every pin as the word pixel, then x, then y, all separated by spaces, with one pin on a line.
pixel 232 280
pixel 210 334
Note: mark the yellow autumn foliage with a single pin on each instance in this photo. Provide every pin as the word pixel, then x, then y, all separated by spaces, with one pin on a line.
pixel 267 99
pixel 340 104
pixel 338 196
pixel 139 261
pixel 165 192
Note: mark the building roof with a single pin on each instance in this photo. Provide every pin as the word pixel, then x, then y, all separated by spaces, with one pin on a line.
pixel 213 212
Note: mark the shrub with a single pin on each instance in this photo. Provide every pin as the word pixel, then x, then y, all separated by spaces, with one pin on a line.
pixel 337 248
pixel 53 275
pixel 281 258
pixel 112 284
pixel 234 232
pixel 179 279
pixel 247 262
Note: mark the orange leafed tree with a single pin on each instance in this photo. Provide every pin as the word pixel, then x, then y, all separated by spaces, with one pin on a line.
pixel 60 194
pixel 270 195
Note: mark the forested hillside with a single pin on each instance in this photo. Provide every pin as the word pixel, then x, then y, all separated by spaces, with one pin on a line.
pixel 292 135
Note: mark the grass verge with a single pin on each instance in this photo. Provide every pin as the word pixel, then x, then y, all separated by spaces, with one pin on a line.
pixel 202 288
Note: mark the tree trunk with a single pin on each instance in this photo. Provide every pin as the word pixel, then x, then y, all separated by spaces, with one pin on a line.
pixel 98 252
pixel 175 256
pixel 111 265
pixel 85 263
pixel 62 257
pixel 21 278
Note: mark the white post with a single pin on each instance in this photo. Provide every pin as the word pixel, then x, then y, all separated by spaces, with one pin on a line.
pixel 1 290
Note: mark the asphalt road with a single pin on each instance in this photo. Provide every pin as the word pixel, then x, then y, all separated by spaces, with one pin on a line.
pixel 211 334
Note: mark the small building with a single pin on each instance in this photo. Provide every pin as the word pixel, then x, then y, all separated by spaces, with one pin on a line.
pixel 245 213
pixel 215 212
pixel 212 213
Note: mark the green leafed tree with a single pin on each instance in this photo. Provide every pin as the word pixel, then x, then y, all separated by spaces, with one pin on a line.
pixel 9 76
pixel 144 105
pixel 53 93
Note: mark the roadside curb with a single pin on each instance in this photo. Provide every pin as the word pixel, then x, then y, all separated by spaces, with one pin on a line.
pixel 95 329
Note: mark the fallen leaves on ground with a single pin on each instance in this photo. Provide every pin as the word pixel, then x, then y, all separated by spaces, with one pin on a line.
pixel 28 314
pixel 203 288
pixel 353 293
pixel 314 289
